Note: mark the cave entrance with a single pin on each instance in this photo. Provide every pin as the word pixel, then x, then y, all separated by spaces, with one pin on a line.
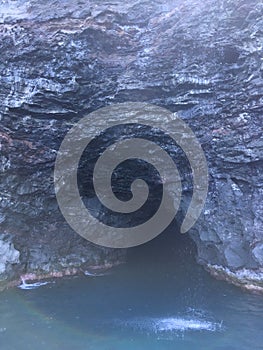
pixel 169 248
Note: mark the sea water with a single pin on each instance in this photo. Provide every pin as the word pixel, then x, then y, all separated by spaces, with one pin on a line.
pixel 160 299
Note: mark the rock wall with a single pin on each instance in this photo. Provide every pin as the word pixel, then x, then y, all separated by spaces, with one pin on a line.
pixel 62 59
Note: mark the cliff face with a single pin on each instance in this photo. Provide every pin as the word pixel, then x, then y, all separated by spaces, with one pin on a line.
pixel 62 59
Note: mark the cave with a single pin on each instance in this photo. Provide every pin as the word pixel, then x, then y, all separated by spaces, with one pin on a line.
pixel 61 63
pixel 131 174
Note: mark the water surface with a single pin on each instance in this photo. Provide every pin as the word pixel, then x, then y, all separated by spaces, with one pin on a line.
pixel 160 299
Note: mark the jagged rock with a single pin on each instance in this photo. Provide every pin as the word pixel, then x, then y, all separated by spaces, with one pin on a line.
pixel 8 255
pixel 62 59
pixel 258 253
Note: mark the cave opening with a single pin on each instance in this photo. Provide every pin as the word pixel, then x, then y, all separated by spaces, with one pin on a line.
pixel 169 248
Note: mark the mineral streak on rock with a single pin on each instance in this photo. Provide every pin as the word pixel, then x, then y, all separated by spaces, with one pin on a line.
pixel 62 59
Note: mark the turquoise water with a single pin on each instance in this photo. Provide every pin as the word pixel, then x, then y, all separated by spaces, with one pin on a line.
pixel 159 300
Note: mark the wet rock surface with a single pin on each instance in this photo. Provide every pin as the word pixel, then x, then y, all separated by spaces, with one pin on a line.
pixel 8 255
pixel 61 60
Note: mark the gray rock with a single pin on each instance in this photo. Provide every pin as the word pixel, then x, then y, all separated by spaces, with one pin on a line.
pixel 8 255
pixel 62 59
pixel 235 254
pixel 258 253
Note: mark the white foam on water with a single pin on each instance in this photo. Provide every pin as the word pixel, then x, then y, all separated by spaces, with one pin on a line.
pixel 24 285
pixel 181 324
pixel 172 325
pixel 94 274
